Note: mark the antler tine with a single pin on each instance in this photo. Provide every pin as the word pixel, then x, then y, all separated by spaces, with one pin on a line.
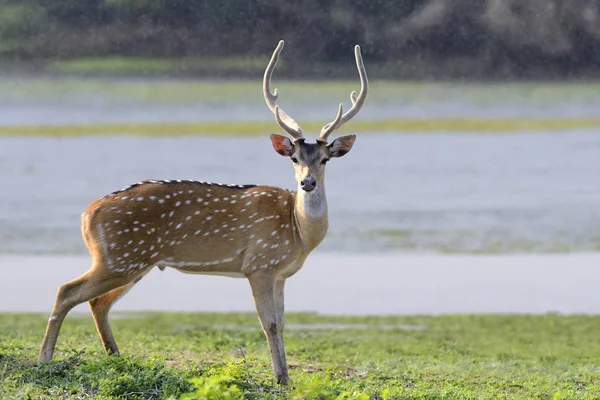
pixel 357 102
pixel 330 127
pixel 286 122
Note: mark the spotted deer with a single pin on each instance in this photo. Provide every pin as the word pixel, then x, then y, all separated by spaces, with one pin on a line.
pixel 261 233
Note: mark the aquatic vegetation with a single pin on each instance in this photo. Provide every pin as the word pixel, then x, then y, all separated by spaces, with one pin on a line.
pixel 257 128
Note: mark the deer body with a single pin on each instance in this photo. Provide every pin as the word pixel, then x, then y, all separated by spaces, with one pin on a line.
pixel 261 233
pixel 198 227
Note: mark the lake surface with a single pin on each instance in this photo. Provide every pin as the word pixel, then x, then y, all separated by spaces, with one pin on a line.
pixel 426 192
pixel 429 192
pixel 47 101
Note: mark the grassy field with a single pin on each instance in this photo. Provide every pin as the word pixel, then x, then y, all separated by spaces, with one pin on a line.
pixel 136 66
pixel 225 356
pixel 163 90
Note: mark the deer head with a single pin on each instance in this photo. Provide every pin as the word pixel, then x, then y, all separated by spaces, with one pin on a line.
pixel 309 159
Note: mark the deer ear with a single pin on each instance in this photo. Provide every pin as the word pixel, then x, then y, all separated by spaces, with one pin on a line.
pixel 342 145
pixel 282 145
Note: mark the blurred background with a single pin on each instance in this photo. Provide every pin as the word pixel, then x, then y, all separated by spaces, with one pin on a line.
pixel 403 39
pixel 480 133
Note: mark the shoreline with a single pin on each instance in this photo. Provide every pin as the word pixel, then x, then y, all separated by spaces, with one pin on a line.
pixel 337 284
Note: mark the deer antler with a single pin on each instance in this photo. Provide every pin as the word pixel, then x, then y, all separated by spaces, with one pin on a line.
pixel 330 127
pixel 286 122
pixel 357 102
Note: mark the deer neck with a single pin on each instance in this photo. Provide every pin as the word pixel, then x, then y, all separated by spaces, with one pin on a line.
pixel 310 216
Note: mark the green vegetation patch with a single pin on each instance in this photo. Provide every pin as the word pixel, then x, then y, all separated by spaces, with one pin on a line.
pixel 255 128
pixel 212 356
pixel 115 65
pixel 309 92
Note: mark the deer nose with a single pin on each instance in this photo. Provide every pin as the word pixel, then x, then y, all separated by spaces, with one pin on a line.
pixel 308 184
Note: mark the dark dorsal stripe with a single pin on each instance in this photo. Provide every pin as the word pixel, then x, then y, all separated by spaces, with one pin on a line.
pixel 178 181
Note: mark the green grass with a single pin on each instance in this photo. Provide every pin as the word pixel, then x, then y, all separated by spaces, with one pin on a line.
pixel 305 91
pixel 444 357
pixel 256 128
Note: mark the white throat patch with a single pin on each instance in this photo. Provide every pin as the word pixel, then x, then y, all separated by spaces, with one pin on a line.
pixel 313 204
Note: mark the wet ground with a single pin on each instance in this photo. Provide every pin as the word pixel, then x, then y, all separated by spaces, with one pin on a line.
pixel 342 284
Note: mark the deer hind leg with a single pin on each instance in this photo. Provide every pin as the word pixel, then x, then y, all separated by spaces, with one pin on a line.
pixel 268 298
pixel 95 282
pixel 100 307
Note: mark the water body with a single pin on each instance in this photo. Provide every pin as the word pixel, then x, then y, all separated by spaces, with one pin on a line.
pixel 46 101
pixel 431 192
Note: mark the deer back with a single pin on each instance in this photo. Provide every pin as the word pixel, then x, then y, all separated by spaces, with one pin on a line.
pixel 192 226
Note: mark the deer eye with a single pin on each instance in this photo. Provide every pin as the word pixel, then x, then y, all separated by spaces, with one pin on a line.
pixel 294 160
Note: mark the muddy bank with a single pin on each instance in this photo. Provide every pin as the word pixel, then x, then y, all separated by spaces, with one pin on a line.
pixel 339 284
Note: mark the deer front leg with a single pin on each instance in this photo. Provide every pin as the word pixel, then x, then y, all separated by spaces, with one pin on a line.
pixel 280 310
pixel 266 301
